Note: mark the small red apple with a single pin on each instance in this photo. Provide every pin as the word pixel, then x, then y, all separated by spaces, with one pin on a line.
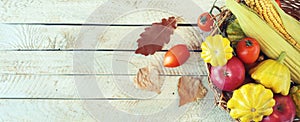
pixel 230 76
pixel 283 111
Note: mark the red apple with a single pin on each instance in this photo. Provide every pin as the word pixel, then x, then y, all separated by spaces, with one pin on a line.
pixel 230 76
pixel 283 111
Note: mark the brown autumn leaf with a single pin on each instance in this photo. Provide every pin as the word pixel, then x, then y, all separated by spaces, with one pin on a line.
pixel 190 89
pixel 154 37
pixel 148 79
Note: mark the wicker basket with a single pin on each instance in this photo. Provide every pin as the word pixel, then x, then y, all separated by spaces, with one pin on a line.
pixel 291 7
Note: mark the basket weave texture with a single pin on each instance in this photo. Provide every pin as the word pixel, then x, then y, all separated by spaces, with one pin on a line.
pixel 292 7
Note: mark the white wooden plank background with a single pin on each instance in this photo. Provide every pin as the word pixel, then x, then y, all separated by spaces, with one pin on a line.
pixel 38 81
pixel 77 11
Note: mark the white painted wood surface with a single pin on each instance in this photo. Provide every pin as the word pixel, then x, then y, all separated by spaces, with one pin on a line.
pixel 40 83
pixel 65 37
pixel 111 62
pixel 77 11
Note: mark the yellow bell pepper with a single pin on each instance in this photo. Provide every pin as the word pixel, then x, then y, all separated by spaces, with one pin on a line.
pixel 273 74
pixel 251 102
pixel 216 50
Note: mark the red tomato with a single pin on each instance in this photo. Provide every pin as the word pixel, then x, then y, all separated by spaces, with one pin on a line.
pixel 205 22
pixel 176 56
pixel 230 76
pixel 248 50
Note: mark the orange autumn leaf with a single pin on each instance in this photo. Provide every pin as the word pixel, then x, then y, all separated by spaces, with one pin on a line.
pixel 148 79
pixel 154 37
pixel 190 89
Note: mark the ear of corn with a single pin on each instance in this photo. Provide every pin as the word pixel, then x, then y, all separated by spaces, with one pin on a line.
pixel 272 44
pixel 269 13
pixel 291 25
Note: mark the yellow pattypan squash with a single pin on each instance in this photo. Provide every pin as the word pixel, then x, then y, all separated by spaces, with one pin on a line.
pixel 273 74
pixel 216 50
pixel 251 102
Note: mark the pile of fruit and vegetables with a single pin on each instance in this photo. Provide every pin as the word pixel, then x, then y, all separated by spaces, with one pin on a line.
pixel 253 60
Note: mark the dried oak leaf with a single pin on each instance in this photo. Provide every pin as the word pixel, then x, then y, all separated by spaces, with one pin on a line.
pixel 190 89
pixel 154 37
pixel 148 79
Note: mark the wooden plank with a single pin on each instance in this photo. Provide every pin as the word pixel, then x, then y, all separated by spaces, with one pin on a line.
pixel 116 87
pixel 84 87
pixel 52 72
pixel 91 62
pixel 62 97
pixel 78 111
pixel 57 98
pixel 98 11
pixel 77 37
pixel 43 110
pixel 34 86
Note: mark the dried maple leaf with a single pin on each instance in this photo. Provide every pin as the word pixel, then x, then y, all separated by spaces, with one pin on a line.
pixel 148 79
pixel 154 37
pixel 190 89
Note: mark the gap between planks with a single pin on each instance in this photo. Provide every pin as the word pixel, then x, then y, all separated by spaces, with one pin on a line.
pixel 117 92
pixel 36 37
pixel 57 110
pixel 41 95
pixel 84 24
pixel 91 63
pixel 90 50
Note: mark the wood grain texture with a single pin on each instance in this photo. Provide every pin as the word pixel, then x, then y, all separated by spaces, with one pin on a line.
pixel 68 86
pixel 37 37
pixel 47 11
pixel 58 110
pixel 70 37
pixel 49 98
pixel 78 11
pixel 99 63
pixel 44 110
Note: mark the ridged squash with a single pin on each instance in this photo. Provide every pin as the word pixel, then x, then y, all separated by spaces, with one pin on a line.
pixel 273 74
pixel 251 102
pixel 216 50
